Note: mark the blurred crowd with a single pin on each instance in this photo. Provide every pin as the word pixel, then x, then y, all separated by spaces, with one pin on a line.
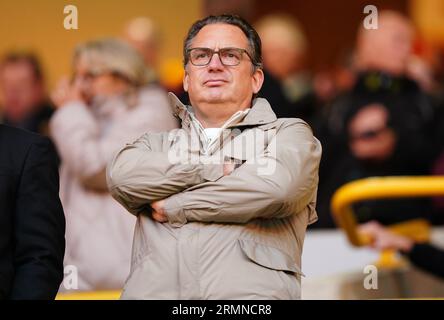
pixel 379 112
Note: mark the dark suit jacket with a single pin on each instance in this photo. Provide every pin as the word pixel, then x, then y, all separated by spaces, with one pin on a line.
pixel 428 257
pixel 32 222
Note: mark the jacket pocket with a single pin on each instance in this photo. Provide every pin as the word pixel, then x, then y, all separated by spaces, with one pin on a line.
pixel 269 257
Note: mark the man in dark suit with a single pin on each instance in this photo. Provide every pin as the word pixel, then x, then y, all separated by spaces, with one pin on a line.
pixel 32 222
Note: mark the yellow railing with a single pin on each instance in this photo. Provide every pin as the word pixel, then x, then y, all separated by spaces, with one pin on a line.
pixel 90 295
pixel 384 188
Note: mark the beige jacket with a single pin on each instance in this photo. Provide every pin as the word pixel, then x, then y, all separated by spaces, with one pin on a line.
pixel 238 236
pixel 98 230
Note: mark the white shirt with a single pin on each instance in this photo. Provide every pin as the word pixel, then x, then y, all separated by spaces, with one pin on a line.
pixel 212 134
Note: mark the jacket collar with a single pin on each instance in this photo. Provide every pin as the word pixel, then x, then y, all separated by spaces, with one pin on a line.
pixel 260 113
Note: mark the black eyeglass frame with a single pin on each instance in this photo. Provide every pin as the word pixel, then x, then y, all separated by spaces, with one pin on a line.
pixel 241 50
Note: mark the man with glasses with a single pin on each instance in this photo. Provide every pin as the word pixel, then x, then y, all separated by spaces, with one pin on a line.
pixel 223 203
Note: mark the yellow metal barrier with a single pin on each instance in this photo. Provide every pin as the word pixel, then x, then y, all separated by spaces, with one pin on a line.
pixel 90 295
pixel 383 188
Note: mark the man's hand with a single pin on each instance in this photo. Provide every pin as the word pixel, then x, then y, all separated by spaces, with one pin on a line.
pixel 229 168
pixel 158 211
pixel 384 239
pixel 65 92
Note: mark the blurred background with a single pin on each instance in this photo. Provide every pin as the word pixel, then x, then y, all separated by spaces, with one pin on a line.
pixel 329 27
pixel 374 98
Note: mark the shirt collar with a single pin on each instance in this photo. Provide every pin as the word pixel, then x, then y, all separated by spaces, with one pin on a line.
pixel 260 113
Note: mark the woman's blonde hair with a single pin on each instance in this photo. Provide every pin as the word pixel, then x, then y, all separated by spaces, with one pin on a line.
pixel 116 57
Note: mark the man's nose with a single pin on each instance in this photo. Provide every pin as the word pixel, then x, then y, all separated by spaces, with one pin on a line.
pixel 215 62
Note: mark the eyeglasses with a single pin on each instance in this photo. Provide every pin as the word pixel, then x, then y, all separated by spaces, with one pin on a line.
pixel 368 134
pixel 228 56
pixel 91 76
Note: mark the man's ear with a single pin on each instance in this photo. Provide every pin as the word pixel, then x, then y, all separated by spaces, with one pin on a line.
pixel 185 80
pixel 257 80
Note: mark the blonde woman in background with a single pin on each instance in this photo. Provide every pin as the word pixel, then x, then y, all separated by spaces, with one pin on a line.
pixel 107 103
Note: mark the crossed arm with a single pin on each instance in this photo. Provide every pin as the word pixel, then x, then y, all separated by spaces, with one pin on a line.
pixel 139 177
